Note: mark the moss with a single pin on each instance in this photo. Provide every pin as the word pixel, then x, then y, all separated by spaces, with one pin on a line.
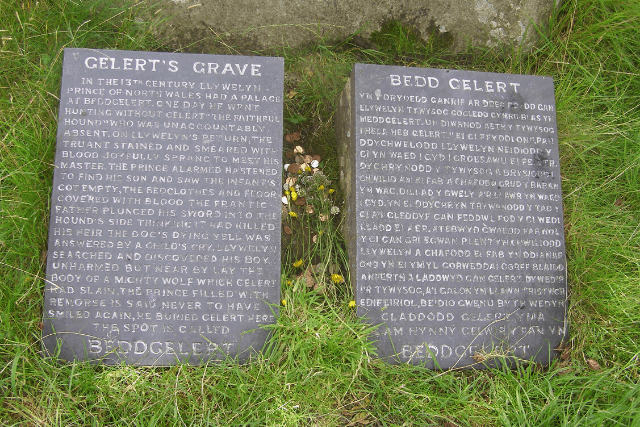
pixel 405 44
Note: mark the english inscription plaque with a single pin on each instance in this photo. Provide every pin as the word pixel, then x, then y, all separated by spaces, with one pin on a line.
pixel 454 216
pixel 164 242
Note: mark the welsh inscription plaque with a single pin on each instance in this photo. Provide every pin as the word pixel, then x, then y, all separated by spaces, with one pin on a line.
pixel 454 217
pixel 164 236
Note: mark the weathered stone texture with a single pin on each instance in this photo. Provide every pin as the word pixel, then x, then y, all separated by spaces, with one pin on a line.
pixel 272 23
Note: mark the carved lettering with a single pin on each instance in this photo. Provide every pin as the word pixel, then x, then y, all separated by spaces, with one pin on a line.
pixel 165 205
pixel 458 212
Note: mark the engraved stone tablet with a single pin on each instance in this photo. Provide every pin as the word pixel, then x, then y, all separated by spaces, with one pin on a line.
pixel 454 217
pixel 164 242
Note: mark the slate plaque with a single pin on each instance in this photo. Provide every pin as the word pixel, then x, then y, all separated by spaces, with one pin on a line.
pixel 454 213
pixel 164 231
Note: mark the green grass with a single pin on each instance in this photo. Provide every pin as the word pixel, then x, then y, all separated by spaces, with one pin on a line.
pixel 318 369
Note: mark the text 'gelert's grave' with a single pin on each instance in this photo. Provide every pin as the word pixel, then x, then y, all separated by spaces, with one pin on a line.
pixel 454 216
pixel 164 242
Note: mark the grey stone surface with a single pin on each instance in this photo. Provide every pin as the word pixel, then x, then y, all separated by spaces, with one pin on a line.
pixel 164 237
pixel 454 218
pixel 273 23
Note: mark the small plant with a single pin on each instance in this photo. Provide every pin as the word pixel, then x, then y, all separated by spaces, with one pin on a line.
pixel 296 119
pixel 310 202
